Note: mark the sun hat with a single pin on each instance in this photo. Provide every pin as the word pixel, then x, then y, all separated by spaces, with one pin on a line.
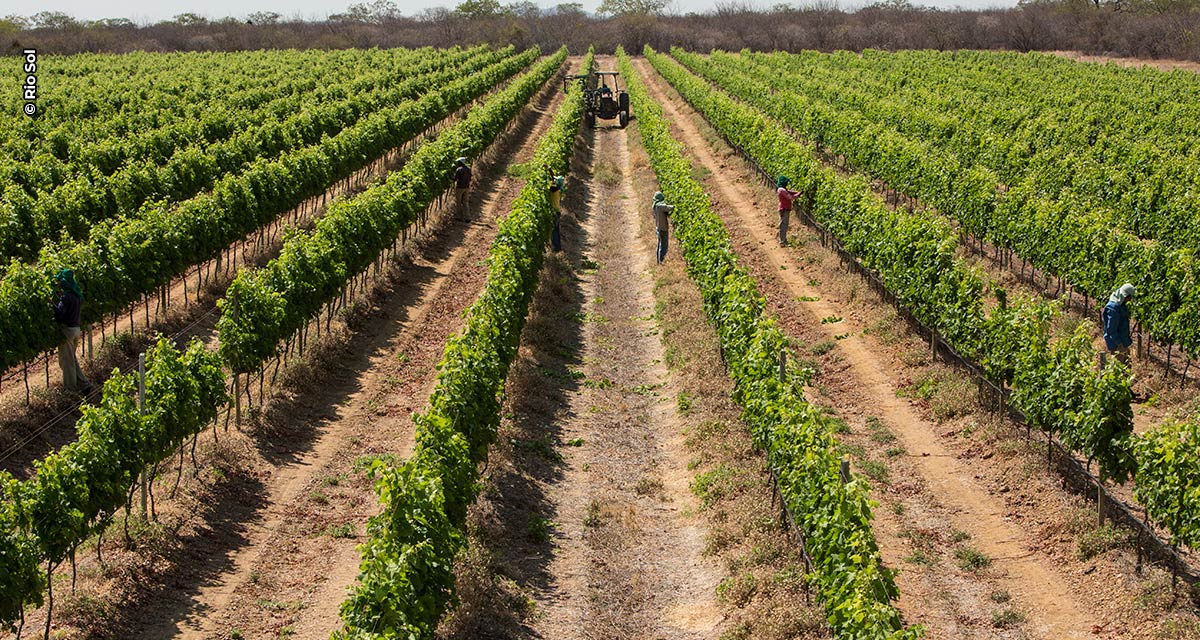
pixel 67 278
pixel 1125 292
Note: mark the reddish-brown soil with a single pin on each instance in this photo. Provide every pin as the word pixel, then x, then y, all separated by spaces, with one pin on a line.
pixel 942 494
pixel 591 523
pixel 29 430
pixel 278 557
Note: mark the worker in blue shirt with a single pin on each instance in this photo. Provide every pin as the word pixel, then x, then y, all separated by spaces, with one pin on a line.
pixel 1116 322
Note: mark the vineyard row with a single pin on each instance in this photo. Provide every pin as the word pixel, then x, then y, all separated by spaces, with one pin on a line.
pixel 833 515
pixel 126 259
pixel 406 579
pixel 1054 381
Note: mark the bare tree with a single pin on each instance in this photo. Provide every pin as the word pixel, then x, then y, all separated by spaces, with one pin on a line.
pixel 1133 27
pixel 189 19
pixel 20 23
pixel 446 24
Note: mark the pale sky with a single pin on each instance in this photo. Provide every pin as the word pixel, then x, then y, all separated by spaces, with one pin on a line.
pixel 147 11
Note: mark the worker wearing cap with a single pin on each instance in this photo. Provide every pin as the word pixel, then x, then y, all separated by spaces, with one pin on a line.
pixel 1116 322
pixel 462 186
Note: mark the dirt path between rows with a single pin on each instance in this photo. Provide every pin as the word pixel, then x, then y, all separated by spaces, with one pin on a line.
pixel 290 573
pixel 1053 610
pixel 28 432
pixel 609 543
pixel 627 548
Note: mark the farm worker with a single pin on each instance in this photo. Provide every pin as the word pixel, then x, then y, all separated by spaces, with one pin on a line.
pixel 1116 322
pixel 786 197
pixel 661 212
pixel 462 185
pixel 557 185
pixel 66 313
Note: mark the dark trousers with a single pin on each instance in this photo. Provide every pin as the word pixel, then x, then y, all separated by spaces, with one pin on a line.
pixel 662 245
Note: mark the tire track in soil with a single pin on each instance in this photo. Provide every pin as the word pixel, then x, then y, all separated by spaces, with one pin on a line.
pixel 291 572
pixel 1052 608
pixel 628 558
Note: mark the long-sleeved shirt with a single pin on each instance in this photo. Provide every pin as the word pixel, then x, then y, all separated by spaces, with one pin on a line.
pixel 66 312
pixel 785 198
pixel 556 188
pixel 660 215
pixel 462 177
pixel 1116 326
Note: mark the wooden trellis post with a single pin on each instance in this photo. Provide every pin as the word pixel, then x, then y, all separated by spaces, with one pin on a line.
pixel 142 410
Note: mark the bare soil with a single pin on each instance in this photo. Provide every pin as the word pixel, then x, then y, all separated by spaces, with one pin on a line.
pixel 949 504
pixel 182 310
pixel 274 553
pixel 296 568
pixel 624 499
pixel 626 547
pixel 1162 64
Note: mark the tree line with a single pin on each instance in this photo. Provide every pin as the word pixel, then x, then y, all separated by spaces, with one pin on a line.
pixel 1135 28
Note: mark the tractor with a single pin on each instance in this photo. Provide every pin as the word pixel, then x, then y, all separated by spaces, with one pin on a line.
pixel 603 101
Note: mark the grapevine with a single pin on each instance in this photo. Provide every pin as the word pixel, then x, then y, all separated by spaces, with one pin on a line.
pixel 406 578
pixel 75 490
pixel 835 517
pixel 124 259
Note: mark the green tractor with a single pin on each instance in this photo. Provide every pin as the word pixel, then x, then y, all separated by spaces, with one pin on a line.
pixel 601 100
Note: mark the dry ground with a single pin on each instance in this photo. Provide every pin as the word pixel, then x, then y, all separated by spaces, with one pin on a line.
pixel 263 543
pixel 987 543
pixel 624 499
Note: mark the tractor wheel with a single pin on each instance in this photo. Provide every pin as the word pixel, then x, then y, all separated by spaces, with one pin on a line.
pixel 624 118
pixel 590 120
pixel 623 101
